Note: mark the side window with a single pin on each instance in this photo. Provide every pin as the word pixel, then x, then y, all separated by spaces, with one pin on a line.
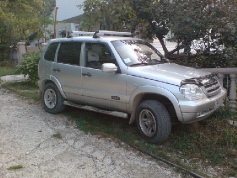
pixel 69 53
pixel 97 54
pixel 50 52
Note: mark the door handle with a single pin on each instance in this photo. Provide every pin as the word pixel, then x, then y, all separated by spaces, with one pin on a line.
pixel 56 70
pixel 87 74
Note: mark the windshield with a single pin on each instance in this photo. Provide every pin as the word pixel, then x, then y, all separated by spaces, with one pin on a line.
pixel 137 52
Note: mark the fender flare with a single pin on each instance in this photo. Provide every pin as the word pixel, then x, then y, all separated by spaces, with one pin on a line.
pixel 143 90
pixel 58 84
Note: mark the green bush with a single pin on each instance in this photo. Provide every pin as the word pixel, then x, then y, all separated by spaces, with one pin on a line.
pixel 223 60
pixel 29 66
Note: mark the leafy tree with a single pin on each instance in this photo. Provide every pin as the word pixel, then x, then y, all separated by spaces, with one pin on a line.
pixel 155 15
pixel 202 19
pixel 22 17
pixel 107 14
pixel 92 14
pixel 122 15
pixel 48 7
pixel 213 21
pixel 187 19
pixel 19 19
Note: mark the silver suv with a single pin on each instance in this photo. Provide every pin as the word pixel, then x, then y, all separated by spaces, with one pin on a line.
pixel 129 78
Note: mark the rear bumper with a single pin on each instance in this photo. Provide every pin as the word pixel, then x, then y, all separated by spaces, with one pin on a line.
pixel 193 111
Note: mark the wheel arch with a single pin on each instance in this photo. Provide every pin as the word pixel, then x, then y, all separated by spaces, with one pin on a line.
pixel 55 82
pixel 159 94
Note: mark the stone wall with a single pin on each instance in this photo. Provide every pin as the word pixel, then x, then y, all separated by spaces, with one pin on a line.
pixel 23 49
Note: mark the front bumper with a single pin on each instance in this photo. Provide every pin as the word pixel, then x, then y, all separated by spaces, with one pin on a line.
pixel 193 111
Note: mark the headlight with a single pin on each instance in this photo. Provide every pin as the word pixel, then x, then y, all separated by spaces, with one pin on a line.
pixel 192 92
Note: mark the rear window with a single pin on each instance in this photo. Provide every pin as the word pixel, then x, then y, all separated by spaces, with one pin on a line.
pixel 69 53
pixel 50 52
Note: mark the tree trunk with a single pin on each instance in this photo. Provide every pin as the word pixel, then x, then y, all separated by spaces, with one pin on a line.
pixel 162 42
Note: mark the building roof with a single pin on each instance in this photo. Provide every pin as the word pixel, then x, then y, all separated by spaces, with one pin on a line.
pixel 76 19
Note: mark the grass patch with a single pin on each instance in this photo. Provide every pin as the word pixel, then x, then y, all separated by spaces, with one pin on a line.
pixel 213 140
pixel 7 68
pixel 232 174
pixel 24 89
pixel 15 167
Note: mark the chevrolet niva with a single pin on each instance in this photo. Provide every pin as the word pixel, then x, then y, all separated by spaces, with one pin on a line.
pixel 126 77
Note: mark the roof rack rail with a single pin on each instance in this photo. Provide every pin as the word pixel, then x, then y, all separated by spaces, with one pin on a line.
pixel 100 33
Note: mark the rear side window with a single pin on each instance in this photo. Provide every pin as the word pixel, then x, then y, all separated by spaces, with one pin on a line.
pixel 50 52
pixel 69 53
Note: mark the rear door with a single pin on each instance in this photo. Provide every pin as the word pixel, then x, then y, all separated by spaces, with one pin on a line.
pixel 67 69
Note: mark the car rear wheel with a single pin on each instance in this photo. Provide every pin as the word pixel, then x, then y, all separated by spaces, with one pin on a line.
pixel 153 121
pixel 52 99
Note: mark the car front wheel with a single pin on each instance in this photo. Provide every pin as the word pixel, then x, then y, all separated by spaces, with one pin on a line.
pixel 52 99
pixel 153 121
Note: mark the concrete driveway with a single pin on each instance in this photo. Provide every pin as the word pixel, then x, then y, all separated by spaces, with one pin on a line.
pixel 50 146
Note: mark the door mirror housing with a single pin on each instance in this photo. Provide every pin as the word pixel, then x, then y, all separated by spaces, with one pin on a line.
pixel 109 67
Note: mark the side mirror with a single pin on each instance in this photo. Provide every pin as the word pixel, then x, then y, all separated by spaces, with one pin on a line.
pixel 109 67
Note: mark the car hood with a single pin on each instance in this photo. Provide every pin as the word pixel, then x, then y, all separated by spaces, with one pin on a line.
pixel 168 72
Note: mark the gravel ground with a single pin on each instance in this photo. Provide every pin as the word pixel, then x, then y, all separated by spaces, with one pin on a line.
pixel 50 146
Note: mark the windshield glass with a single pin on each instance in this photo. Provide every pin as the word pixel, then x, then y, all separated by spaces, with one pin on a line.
pixel 137 52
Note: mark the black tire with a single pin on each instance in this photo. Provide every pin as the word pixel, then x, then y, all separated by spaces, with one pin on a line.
pixel 52 99
pixel 153 121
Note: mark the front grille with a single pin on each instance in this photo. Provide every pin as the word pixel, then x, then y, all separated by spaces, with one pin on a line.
pixel 211 85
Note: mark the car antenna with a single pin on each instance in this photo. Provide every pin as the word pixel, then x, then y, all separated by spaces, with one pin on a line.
pixel 96 34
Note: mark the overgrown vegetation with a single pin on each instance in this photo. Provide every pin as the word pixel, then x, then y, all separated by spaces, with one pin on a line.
pixel 22 20
pixel 29 66
pixel 7 68
pixel 207 60
pixel 211 24
pixel 24 89
pixel 212 139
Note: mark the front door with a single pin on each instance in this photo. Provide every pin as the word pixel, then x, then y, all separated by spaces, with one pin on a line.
pixel 102 89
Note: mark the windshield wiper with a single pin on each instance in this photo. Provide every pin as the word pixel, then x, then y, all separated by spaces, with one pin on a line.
pixel 154 61
pixel 139 64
